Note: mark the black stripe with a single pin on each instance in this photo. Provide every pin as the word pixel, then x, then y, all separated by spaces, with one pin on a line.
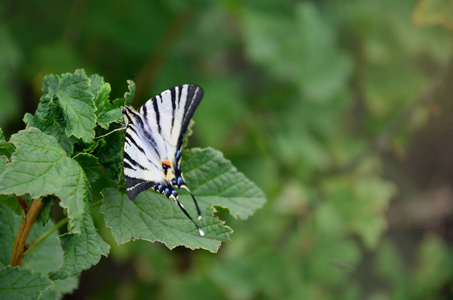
pixel 173 106
pixel 194 96
pixel 127 165
pixel 190 95
pixel 130 140
pixel 139 185
pixel 133 162
pixel 179 94
pixel 149 137
pixel 144 110
pixel 152 142
pixel 156 111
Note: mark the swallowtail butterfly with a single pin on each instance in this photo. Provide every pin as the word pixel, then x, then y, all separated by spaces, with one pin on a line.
pixel 152 147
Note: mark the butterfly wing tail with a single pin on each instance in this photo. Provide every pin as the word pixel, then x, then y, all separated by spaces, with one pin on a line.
pixel 187 214
pixel 194 201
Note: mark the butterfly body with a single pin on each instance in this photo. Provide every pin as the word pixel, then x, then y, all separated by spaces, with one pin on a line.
pixel 152 148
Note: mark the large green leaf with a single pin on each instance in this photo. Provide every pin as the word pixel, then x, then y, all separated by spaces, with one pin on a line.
pixel 66 109
pixel 129 95
pixel 82 251
pixel 111 153
pixel 5 148
pixel 46 257
pixel 39 260
pixel 3 161
pixel 214 182
pixel 153 217
pixel 90 165
pixel 50 119
pixel 105 111
pixel 9 200
pixel 21 283
pixel 40 167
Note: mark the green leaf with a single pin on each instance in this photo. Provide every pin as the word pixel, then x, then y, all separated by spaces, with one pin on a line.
pixel 47 256
pixel 50 119
pixel 82 251
pixel 28 117
pixel 119 102
pixel 3 161
pixel 66 285
pixel 6 149
pixel 21 283
pixel 130 94
pixel 96 83
pixel 40 167
pixel 216 182
pixel 111 156
pixel 66 108
pixel 44 214
pixel 8 230
pixel 153 217
pixel 105 111
pixel 9 200
pixel 90 165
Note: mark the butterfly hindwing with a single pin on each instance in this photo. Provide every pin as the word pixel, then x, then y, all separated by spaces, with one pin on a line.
pixel 141 170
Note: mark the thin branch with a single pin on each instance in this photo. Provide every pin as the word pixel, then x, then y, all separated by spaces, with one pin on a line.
pixel 101 136
pixel 48 232
pixel 43 236
pixel 24 231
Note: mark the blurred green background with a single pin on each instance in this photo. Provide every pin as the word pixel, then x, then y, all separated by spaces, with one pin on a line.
pixel 341 111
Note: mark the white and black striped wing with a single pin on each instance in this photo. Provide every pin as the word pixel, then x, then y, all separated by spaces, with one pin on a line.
pixel 154 134
pixel 142 169
pixel 170 112
pixel 152 147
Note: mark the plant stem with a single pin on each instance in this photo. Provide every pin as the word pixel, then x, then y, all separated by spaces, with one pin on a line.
pixel 24 231
pixel 97 203
pixel 48 232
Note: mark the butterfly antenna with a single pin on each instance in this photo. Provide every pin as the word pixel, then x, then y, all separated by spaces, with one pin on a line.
pixel 187 214
pixel 194 201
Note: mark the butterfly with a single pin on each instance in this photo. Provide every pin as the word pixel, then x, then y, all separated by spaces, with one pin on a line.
pixel 152 146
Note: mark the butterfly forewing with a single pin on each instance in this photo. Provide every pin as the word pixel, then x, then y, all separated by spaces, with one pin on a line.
pixel 172 111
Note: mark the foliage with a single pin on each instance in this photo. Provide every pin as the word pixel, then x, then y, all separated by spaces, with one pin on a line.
pixel 318 102
pixel 57 154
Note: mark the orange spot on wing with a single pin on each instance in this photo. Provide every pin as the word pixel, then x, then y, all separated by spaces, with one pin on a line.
pixel 166 163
